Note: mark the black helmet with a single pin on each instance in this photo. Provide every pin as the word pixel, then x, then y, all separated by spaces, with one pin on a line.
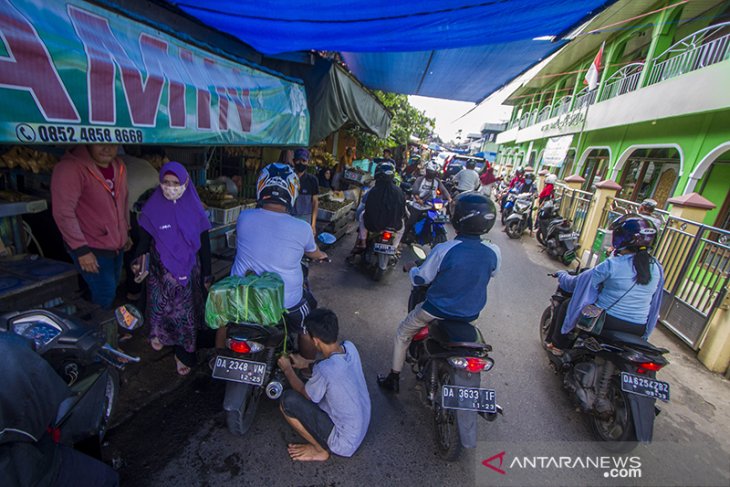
pixel 632 230
pixel 385 170
pixel 471 164
pixel 474 214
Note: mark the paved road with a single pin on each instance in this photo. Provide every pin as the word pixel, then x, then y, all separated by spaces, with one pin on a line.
pixel 181 439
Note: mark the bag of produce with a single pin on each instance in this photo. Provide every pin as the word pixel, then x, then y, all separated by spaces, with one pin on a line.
pixel 249 299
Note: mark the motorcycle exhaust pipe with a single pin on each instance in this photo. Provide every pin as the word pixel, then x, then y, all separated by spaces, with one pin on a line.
pixel 274 389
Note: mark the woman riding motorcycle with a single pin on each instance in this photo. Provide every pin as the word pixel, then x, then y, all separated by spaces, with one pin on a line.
pixel 628 286
pixel 425 188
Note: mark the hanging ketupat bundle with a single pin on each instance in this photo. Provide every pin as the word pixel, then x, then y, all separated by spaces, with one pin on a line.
pixel 250 299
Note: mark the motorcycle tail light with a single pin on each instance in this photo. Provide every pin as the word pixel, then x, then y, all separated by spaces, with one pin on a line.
pixel 472 364
pixel 648 367
pixel 387 236
pixel 244 346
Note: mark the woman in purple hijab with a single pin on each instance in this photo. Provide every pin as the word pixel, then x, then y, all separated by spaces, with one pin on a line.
pixel 174 231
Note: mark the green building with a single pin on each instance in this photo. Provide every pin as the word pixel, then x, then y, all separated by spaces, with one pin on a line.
pixel 658 122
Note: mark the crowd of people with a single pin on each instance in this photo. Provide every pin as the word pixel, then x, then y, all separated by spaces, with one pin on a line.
pixel 331 408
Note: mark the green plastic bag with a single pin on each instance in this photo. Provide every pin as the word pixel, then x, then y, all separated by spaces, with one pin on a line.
pixel 250 299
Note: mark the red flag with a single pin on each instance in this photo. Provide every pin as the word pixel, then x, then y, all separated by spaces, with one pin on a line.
pixel 593 73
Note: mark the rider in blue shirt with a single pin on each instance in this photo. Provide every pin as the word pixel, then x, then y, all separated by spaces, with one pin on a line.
pixel 457 273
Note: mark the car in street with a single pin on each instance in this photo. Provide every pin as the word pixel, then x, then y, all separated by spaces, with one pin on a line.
pixel 456 163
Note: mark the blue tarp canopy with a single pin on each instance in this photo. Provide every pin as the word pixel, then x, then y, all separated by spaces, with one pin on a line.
pixel 454 49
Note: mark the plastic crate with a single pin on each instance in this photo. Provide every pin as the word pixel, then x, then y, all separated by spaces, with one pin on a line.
pixel 224 216
pixel 231 239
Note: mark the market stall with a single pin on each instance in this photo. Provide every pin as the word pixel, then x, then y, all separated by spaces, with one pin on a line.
pixel 82 74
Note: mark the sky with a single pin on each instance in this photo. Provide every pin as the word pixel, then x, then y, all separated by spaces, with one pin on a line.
pixel 450 117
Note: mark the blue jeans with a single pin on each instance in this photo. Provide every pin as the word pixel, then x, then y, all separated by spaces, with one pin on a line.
pixel 103 285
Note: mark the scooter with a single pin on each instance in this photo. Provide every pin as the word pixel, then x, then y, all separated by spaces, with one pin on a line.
pixel 611 377
pixel 380 255
pixel 448 358
pixel 556 234
pixel 518 218
pixel 81 356
pixel 430 229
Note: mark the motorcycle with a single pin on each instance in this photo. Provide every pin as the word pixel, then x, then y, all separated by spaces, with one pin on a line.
pixel 380 253
pixel 248 364
pixel 430 229
pixel 556 234
pixel 406 184
pixel 90 366
pixel 507 206
pixel 611 377
pixel 518 217
pixel 448 358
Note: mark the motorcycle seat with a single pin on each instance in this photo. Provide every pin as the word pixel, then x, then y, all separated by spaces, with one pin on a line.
pixel 633 340
pixel 457 334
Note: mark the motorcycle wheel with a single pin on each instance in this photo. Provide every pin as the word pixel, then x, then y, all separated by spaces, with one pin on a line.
pixel 514 230
pixel 617 434
pixel 240 420
pixel 446 427
pixel 539 237
pixel 545 321
pixel 111 394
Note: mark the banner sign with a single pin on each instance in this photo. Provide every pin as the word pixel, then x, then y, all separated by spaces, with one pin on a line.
pixel 555 150
pixel 71 72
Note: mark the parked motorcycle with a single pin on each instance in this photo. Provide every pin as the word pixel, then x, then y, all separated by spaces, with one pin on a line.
pixel 81 356
pixel 517 220
pixel 248 364
pixel 448 358
pixel 430 229
pixel 556 234
pixel 611 377
pixel 507 205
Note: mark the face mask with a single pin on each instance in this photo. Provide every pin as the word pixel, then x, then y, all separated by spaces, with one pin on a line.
pixel 299 167
pixel 173 193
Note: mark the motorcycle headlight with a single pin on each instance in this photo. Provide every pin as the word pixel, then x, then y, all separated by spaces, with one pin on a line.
pixel 438 206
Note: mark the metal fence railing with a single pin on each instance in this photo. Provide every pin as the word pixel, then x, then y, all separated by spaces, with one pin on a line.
pixel 703 48
pixel 585 98
pixel 615 207
pixel 573 205
pixel 696 261
pixel 622 81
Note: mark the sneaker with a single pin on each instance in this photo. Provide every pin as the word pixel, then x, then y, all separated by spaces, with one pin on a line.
pixel 390 382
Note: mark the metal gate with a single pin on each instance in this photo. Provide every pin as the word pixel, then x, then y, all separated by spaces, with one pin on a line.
pixel 696 261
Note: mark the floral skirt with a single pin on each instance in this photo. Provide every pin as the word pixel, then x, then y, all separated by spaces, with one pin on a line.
pixel 174 310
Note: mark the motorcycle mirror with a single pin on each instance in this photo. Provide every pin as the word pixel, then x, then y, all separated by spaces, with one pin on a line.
pixel 419 252
pixel 129 317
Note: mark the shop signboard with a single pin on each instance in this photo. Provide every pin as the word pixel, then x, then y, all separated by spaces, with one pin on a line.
pixel 72 72
pixel 555 150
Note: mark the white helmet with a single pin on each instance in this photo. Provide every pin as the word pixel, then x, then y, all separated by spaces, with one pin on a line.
pixel 432 166
pixel 551 179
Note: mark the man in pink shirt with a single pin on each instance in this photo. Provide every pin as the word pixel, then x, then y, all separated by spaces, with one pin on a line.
pixel 89 204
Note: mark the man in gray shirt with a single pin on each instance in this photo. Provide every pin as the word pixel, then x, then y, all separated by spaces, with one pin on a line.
pixel 332 410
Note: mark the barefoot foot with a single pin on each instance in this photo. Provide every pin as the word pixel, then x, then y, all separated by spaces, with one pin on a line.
pixel 307 453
